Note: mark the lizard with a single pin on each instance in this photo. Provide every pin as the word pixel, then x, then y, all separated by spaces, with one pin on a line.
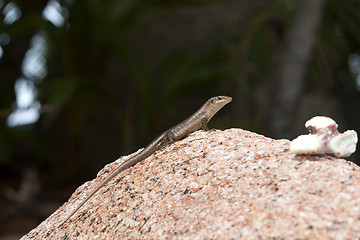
pixel 198 120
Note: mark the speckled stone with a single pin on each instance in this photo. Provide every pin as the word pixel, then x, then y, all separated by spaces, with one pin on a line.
pixel 230 184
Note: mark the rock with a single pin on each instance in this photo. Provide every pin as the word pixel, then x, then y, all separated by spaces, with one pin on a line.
pixel 221 185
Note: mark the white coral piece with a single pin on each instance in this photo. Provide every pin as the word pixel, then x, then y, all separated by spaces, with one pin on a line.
pixel 343 145
pixel 307 144
pixel 325 138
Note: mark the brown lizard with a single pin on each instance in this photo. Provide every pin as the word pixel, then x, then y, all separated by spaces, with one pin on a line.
pixel 195 122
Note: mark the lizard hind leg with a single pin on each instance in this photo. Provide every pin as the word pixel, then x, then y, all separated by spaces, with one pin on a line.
pixel 167 140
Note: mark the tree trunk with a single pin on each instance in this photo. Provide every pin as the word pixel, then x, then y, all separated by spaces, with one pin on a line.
pixel 299 41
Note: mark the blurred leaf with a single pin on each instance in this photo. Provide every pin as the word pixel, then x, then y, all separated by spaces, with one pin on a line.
pixel 58 93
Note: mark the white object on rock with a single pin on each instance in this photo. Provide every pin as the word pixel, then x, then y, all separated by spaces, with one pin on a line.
pixel 307 144
pixel 343 145
pixel 325 138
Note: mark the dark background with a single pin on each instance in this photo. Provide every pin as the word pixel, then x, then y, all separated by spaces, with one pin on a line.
pixel 115 74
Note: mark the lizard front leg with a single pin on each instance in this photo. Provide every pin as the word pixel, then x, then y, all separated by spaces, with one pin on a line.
pixel 204 124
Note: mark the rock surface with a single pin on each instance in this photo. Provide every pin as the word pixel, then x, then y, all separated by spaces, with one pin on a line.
pixel 221 185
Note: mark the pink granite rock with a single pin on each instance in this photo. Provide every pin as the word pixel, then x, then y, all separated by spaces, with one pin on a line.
pixel 230 184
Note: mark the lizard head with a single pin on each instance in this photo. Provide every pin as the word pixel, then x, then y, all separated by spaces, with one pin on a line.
pixel 214 104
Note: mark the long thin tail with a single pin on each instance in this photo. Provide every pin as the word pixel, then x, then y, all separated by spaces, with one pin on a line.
pixel 129 163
